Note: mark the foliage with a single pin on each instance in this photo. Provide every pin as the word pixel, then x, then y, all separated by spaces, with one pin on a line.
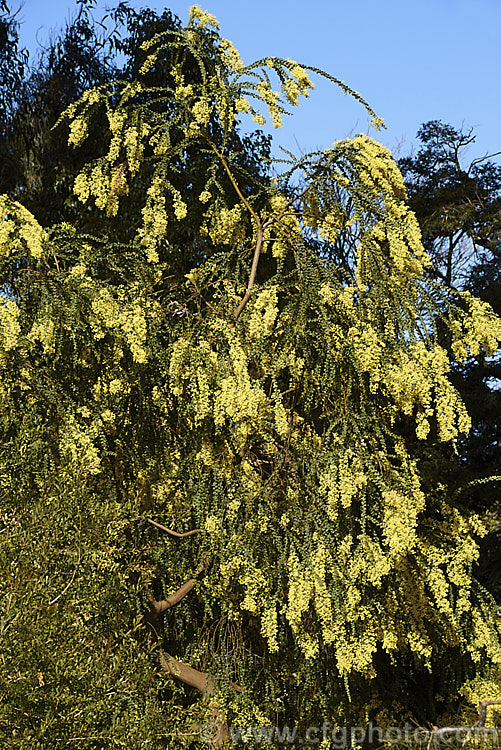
pixel 279 417
pixel 458 207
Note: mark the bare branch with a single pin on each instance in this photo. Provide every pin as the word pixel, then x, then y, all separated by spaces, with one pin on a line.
pixel 252 277
pixel 171 532
pixel 259 243
pixel 157 607
pixel 188 675
pixel 175 598
pixel 235 185
pixel 204 683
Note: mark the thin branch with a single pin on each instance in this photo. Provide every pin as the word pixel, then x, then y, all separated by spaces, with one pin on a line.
pixel 259 238
pixel 63 592
pixel 290 203
pixel 252 277
pixel 259 243
pixel 259 230
pixel 171 532
pixel 235 185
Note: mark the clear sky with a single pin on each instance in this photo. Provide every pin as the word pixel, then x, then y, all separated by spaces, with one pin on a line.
pixel 412 61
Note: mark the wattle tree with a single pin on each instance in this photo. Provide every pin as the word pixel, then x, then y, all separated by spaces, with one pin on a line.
pixel 220 432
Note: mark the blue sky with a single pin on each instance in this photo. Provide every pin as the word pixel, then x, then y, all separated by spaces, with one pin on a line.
pixel 412 61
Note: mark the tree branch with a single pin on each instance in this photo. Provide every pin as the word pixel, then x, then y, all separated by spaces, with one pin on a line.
pixel 252 277
pixel 188 675
pixel 205 684
pixel 259 229
pixel 158 607
pixel 175 598
pixel 171 532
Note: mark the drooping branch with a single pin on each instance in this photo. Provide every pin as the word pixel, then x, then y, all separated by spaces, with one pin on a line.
pixel 158 607
pixel 171 531
pixel 259 237
pixel 260 227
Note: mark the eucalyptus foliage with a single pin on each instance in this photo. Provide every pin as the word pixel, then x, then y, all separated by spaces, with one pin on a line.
pixel 242 427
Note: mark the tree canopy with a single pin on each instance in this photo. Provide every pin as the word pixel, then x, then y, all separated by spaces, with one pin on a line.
pixel 205 410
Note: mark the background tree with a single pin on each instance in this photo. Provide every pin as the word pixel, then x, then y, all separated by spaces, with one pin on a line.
pixel 234 431
pixel 458 206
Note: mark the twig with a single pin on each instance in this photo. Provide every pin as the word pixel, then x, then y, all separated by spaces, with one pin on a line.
pixel 171 532
pixel 63 592
pixel 252 277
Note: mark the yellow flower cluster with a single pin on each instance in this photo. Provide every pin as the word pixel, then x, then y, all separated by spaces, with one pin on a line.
pixel 355 653
pixel 342 482
pixel 204 196
pixel 401 510
pixel 480 329
pixel 264 313
pixel 78 131
pixel 123 316
pixel 486 642
pixel 331 225
pixel 239 401
pixel 327 294
pixel 269 628
pixel 19 230
pixel 302 78
pixel 9 324
pixel 280 233
pixel 259 118
pixel 413 377
pixel 320 564
pixel 202 17
pixel 42 330
pixel 96 182
pixel 242 105
pixel 397 237
pixel 485 688
pixel 134 149
pixel 230 56
pixel 271 98
pixel 148 64
pixel 256 588
pixel 212 524
pixel 227 226
pixel 201 111
pixel 154 215
pixel 195 366
pixel 78 449
pixel 372 563
pixel 281 419
pixel 300 591
pixel 183 92
pixel 180 209
pixel 368 350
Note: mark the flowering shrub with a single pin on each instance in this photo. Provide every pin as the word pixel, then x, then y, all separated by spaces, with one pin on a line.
pixel 279 412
